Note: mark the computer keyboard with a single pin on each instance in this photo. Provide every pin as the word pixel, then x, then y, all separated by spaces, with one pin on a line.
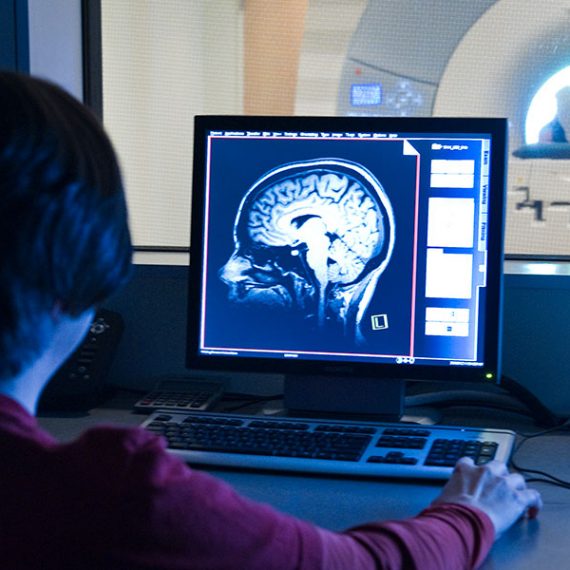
pixel 355 448
pixel 181 395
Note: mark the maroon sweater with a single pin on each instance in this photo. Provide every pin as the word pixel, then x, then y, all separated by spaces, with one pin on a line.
pixel 115 499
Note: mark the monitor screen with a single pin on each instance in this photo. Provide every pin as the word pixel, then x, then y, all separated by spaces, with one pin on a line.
pixel 347 246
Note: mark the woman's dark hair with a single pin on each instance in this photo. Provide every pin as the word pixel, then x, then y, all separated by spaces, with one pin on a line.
pixel 64 237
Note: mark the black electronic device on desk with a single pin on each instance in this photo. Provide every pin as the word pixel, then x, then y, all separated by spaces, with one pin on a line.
pixel 349 254
pixel 181 394
pixel 80 383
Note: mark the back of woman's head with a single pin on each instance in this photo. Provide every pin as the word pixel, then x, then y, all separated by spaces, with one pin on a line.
pixel 64 239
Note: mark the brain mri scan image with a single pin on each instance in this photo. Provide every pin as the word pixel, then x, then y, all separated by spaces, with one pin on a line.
pixel 311 240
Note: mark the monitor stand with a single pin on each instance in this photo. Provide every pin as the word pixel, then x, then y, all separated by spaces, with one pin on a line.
pixel 350 397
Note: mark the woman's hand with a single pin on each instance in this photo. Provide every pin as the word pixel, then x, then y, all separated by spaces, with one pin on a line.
pixel 503 496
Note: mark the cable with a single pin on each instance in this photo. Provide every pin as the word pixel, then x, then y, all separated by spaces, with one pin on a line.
pixel 543 476
pixel 539 411
pixel 462 398
pixel 560 427
pixel 509 395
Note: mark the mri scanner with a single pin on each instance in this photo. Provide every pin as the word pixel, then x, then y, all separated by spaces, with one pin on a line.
pixel 504 58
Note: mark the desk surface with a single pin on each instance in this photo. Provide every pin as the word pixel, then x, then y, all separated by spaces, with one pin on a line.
pixel 542 543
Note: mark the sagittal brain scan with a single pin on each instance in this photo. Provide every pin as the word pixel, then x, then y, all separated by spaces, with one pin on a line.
pixel 311 239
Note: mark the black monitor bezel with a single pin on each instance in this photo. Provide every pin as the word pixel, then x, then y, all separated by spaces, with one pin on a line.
pixel 497 128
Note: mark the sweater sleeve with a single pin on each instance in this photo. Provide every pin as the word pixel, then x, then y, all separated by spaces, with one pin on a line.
pixel 161 514
pixel 443 537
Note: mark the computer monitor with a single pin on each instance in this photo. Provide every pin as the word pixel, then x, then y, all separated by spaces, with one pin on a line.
pixel 349 254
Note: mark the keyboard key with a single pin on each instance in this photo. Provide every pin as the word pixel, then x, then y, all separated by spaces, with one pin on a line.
pixel 393 458
pixel 404 442
pixel 407 432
